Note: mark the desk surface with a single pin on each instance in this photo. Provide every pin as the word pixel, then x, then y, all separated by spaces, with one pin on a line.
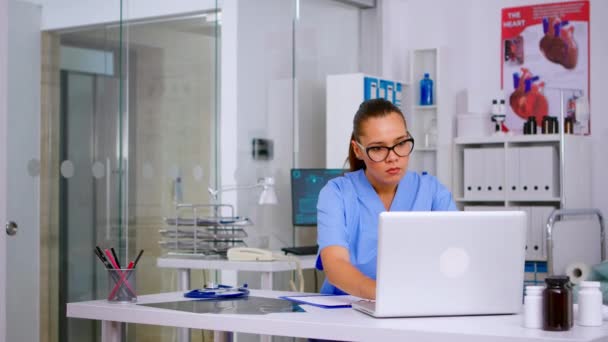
pixel 336 324
pixel 306 262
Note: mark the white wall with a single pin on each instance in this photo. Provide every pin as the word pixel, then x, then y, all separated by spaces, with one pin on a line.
pixel 263 96
pixel 383 44
pixel 599 104
pixel 395 45
pixel 470 30
pixel 322 26
pixel 259 100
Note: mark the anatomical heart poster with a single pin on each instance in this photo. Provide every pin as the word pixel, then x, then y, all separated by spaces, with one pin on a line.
pixel 545 66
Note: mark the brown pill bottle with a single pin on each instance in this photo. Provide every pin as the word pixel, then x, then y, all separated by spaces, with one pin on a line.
pixel 557 304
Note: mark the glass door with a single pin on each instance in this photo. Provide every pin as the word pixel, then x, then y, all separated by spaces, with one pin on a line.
pixel 90 149
pixel 19 171
pixel 136 135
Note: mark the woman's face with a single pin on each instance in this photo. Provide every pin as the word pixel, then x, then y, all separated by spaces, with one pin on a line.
pixel 385 131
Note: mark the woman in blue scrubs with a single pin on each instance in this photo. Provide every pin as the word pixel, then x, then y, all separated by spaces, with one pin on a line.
pixel 348 207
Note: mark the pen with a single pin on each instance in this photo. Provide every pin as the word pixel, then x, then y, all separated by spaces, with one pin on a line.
pixel 111 259
pixel 137 258
pixel 103 260
pixel 115 257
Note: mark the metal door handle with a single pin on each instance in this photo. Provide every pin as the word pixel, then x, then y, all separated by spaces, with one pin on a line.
pixel 11 228
pixel 108 216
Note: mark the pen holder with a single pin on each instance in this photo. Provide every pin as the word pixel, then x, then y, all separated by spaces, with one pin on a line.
pixel 121 286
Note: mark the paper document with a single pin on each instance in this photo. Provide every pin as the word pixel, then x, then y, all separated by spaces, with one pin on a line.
pixel 324 301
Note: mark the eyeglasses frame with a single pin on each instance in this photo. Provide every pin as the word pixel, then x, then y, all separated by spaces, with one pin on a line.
pixel 392 148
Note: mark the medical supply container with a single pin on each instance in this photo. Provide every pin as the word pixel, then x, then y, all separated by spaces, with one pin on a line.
pixel 590 304
pixel 533 307
pixel 557 304
pixel 426 90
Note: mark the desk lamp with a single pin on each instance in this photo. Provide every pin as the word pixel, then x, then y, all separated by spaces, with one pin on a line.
pixel 267 196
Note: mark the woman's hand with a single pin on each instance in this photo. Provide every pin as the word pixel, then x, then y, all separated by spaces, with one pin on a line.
pixel 343 275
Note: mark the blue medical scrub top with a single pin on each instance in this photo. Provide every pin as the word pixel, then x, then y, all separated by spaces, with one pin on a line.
pixel 348 210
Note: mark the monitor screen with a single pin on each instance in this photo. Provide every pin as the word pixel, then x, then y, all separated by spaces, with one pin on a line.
pixel 305 187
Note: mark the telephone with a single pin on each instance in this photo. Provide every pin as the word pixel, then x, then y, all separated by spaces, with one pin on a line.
pixel 258 254
pixel 249 254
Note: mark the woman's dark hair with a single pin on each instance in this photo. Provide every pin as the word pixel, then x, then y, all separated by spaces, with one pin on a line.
pixel 375 108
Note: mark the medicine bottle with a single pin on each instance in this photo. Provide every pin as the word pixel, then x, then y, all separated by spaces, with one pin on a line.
pixel 554 125
pixel 533 307
pixel 546 125
pixel 557 304
pixel 426 90
pixel 568 125
pixel 590 304
pixel 532 121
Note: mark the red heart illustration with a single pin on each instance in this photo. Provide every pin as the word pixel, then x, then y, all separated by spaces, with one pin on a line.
pixel 530 101
pixel 558 44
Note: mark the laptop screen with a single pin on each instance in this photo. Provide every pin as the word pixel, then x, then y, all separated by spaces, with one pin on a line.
pixel 305 187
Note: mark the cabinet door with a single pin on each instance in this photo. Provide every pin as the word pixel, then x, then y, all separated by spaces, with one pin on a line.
pixel 538 173
pixel 512 170
pixel 530 241
pixel 546 184
pixel 470 171
pixel 494 173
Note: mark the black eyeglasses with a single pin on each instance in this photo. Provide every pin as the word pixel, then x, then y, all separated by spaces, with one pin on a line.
pixel 379 153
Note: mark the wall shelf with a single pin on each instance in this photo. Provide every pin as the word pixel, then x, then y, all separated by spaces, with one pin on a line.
pixel 424 120
pixel 487 200
pixel 418 107
pixel 501 139
pixel 468 200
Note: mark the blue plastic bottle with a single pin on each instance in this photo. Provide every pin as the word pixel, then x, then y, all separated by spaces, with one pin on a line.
pixel 426 91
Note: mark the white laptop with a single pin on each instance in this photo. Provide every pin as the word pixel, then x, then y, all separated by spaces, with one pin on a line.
pixel 449 263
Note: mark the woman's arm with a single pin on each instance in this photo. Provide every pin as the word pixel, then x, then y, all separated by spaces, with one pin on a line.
pixel 343 275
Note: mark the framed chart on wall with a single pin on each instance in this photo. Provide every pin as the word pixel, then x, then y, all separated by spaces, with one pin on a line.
pixel 545 65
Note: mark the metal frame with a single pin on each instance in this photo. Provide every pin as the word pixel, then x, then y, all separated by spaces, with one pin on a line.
pixel 558 215
pixel 219 232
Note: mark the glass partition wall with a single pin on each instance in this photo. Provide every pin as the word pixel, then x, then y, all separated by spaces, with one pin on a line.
pixel 286 51
pixel 133 134
pixel 92 167
pixel 135 129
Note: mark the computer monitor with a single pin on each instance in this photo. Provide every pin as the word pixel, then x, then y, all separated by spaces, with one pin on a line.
pixel 305 187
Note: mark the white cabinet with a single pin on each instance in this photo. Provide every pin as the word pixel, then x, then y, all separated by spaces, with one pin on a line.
pixel 536 173
pixel 345 92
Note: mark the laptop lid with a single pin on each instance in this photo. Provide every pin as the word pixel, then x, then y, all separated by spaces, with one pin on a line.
pixel 450 263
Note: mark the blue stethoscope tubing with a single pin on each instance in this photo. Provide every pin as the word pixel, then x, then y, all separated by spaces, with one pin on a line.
pixel 219 292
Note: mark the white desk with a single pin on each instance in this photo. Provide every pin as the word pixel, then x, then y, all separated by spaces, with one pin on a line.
pixel 335 324
pixel 229 273
pixel 267 268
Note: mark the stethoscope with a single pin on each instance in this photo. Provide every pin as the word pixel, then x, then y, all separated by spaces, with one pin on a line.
pixel 218 291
